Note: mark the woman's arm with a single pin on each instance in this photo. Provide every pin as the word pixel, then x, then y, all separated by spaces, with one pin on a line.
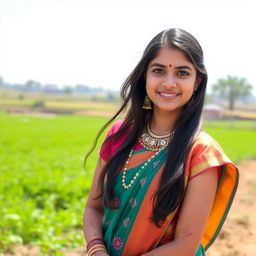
pixel 193 217
pixel 93 213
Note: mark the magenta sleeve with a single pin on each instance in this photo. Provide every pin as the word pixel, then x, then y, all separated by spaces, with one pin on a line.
pixel 108 148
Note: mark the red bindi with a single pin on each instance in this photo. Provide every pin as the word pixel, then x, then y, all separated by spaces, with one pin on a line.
pixel 170 65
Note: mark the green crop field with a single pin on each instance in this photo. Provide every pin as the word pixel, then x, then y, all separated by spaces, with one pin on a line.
pixel 43 185
pixel 236 137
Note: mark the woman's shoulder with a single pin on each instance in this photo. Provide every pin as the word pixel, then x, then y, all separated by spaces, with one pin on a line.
pixel 206 147
pixel 204 139
pixel 206 152
pixel 116 126
pixel 110 146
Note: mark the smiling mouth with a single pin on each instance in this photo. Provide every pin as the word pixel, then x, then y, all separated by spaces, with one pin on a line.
pixel 169 95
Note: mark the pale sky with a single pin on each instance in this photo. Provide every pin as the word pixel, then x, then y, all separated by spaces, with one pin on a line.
pixel 99 42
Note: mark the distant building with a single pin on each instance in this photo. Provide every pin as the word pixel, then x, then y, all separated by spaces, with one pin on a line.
pixel 212 112
pixel 51 88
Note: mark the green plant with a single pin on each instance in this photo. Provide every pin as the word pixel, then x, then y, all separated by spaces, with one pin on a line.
pixel 38 104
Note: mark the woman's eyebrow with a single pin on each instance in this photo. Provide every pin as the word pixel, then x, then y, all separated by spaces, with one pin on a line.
pixel 158 65
pixel 164 66
pixel 184 67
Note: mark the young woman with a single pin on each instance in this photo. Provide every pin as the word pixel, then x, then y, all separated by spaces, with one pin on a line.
pixel 162 186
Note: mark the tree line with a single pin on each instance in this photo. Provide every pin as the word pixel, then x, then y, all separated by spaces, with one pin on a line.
pixel 231 89
pixel 34 86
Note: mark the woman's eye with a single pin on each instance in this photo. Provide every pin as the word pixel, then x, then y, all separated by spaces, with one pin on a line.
pixel 182 73
pixel 157 71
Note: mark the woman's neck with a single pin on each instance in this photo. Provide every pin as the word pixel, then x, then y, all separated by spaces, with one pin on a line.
pixel 162 123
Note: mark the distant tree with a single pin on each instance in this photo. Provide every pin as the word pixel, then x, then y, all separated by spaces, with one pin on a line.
pixel 38 104
pixel 79 88
pixel 232 88
pixel 67 89
pixel 32 85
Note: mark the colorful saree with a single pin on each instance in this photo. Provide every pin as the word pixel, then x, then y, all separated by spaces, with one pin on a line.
pixel 128 231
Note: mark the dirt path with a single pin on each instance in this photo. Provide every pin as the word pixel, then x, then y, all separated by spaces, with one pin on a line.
pixel 238 235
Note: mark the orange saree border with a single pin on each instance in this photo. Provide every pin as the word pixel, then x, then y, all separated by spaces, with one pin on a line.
pixel 224 197
pixel 204 155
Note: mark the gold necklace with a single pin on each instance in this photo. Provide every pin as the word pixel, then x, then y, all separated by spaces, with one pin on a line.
pixel 150 141
pixel 137 173
pixel 154 142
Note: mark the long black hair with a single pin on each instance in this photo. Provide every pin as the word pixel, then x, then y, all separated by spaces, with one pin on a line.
pixel 171 189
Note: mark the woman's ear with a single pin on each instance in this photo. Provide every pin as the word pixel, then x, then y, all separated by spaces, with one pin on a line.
pixel 197 82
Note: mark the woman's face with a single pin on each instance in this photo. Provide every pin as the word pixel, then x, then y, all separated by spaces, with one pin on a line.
pixel 170 80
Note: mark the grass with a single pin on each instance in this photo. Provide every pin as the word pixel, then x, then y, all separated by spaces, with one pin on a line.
pixel 238 143
pixel 232 124
pixel 43 182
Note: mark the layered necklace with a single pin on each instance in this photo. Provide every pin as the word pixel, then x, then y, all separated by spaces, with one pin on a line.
pixel 152 142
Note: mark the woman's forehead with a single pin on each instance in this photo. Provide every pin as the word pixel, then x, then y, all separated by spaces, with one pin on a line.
pixel 171 57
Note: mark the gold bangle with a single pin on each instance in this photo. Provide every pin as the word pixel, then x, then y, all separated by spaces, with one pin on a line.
pixel 96 248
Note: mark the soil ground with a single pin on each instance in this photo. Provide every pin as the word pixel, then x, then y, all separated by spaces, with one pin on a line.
pixel 238 235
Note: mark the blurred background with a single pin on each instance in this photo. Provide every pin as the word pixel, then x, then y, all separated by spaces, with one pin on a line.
pixel 62 63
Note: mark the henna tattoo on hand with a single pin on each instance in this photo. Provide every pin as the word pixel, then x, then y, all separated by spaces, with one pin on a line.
pixel 186 232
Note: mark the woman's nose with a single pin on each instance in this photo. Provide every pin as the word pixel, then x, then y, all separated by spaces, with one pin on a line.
pixel 169 81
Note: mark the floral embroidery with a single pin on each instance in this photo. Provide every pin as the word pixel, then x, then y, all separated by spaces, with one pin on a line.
pixel 108 222
pixel 143 181
pixel 156 163
pixel 133 202
pixel 117 243
pixel 126 222
pixel 115 202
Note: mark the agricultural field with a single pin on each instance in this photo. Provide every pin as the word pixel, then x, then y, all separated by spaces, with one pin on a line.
pixel 78 104
pixel 43 183
pixel 236 137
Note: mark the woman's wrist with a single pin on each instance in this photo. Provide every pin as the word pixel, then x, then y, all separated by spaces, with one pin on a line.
pixel 93 242
pixel 96 247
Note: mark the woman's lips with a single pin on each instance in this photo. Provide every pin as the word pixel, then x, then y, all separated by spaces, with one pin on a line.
pixel 169 95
